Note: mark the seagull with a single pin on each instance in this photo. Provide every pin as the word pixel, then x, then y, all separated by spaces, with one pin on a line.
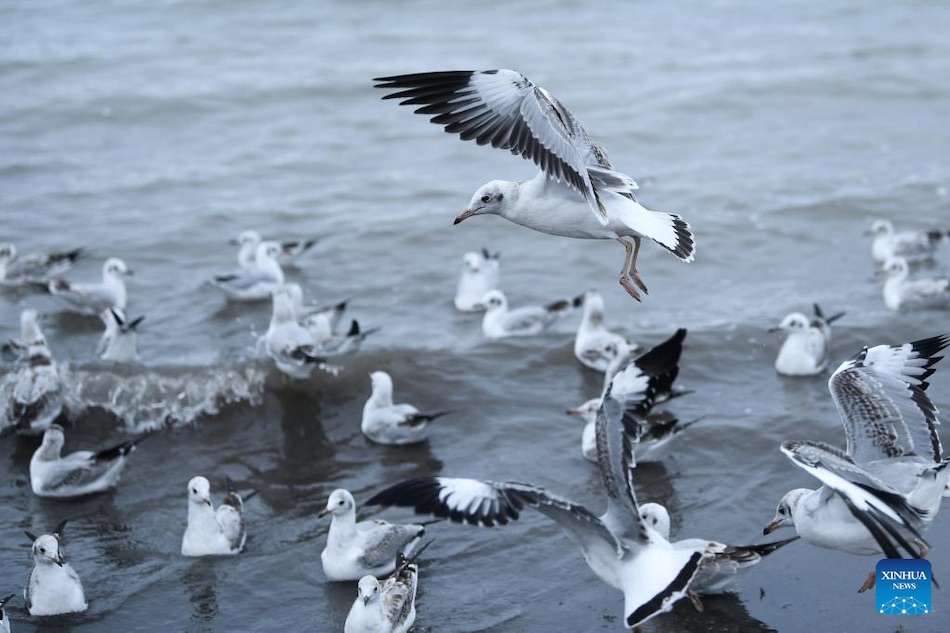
pixel 93 298
pixel 118 342
pixel 54 586
pixel 901 292
pixel 618 546
pixel 653 374
pixel 576 193
pixel 348 342
pixel 595 346
pixel 33 268
pixel 805 350
pixel 289 250
pixel 368 547
pixel 37 397
pixel 213 532
pixel 389 607
pixel 721 562
pixel 288 342
pixel 77 474
pixel 912 245
pixel 4 620
pixel 395 424
pixel 890 479
pixel 500 322
pixel 480 274
pixel 255 283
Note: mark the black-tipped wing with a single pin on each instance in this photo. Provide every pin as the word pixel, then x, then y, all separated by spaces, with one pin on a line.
pixel 489 503
pixel 878 506
pixel 880 394
pixel 649 377
pixel 504 108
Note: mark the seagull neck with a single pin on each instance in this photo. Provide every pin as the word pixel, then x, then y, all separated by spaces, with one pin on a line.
pixel 342 525
pixel 201 516
pixel 381 398
pixel 49 452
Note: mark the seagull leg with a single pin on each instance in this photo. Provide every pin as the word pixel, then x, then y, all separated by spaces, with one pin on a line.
pixel 868 582
pixel 922 548
pixel 628 274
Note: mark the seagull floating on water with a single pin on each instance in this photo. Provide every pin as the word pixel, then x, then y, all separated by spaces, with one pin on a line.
pixel 618 546
pixel 805 350
pixel 480 274
pixel 577 193
pixel 288 342
pixel 500 322
pixel 595 346
pixel 891 478
pixel 644 381
pixel 256 282
pixel 213 532
pixel 721 562
pixel 37 397
pixel 4 620
pixel 93 298
pixel 913 245
pixel 54 586
pixel 387 607
pixel 355 549
pixel 388 423
pixel 118 343
pixel 901 292
pixel 77 474
pixel 289 251
pixel 36 268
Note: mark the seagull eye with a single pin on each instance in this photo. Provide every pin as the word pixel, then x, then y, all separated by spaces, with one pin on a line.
pixel 486 198
pixel 781 511
pixel 500 197
pixel 42 550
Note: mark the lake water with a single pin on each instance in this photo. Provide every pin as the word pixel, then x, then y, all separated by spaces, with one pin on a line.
pixel 155 131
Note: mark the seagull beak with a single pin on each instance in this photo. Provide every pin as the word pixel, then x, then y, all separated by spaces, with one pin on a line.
pixel 57 559
pixel 774 328
pixel 206 500
pixel 573 411
pixel 365 600
pixel 323 512
pixel 771 527
pixel 464 215
pixel 233 241
pixel 879 271
pixel 130 272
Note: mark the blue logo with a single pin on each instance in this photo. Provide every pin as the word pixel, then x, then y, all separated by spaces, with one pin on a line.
pixel 903 586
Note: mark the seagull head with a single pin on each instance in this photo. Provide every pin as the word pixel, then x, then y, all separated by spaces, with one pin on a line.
pixel 784 514
pixel 794 322
pixel 587 411
pixel 656 518
pixel 339 502
pixel 53 440
pixel 115 267
pixel 46 550
pixel 30 332
pixel 881 227
pixel 472 261
pixel 199 491
pixel 494 300
pixel 7 252
pixel 368 589
pixel 252 238
pixel 491 198
pixel 382 384
pixel 895 267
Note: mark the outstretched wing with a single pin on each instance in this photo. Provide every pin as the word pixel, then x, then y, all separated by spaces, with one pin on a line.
pixel 884 511
pixel 880 394
pixel 504 108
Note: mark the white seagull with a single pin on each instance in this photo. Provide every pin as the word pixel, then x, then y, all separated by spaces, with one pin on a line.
pixel 721 562
pixel 256 282
pixel 805 350
pixel 618 546
pixel 500 322
pixel 213 532
pixel 480 273
pixel 901 292
pixel 290 250
pixel 33 268
pixel 54 586
pixel 891 478
pixel 913 245
pixel 118 343
pixel 595 346
pixel 288 342
pixel 387 607
pixel 4 620
pixel 37 397
pixel 93 298
pixel 643 382
pixel 77 474
pixel 394 424
pixel 355 549
pixel 576 194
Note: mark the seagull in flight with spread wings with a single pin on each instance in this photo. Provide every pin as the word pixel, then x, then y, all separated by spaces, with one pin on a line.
pixel 577 193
